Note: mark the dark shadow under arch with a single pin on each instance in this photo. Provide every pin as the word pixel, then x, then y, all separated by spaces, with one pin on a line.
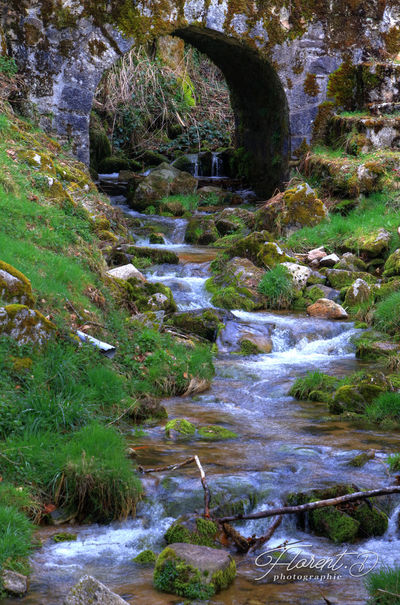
pixel 258 101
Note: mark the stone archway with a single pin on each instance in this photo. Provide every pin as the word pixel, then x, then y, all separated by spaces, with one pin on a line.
pixel 269 52
pixel 258 101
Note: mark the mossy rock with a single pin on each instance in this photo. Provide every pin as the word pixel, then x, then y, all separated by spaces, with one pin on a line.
pixel 231 297
pixel 392 265
pixel 205 324
pixel 334 524
pixel 214 432
pixel 113 164
pixel 39 160
pixel 179 428
pixel 152 158
pixel 339 278
pixel 201 230
pixel 383 290
pixel 159 257
pixel 297 207
pixel 373 244
pixel 357 520
pixel 25 325
pixel 145 296
pixel 354 398
pixel 148 409
pixel 64 537
pixel 373 522
pixel 156 238
pixel 15 287
pixel 146 557
pixel 373 345
pixel 199 531
pixel 193 572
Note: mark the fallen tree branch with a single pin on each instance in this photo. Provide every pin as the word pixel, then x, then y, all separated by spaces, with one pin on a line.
pixel 262 539
pixel 241 543
pixel 289 510
pixel 170 467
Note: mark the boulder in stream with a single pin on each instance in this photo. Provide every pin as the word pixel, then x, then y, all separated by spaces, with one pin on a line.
pixel 326 309
pixel 341 523
pixel 192 571
pixel 14 583
pixel 125 272
pixel 89 590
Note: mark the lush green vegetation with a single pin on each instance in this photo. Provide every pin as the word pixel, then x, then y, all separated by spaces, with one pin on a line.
pixel 377 211
pixel 384 586
pixel 385 408
pixel 277 287
pixel 387 314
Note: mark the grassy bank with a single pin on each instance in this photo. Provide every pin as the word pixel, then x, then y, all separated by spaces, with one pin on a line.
pixel 64 408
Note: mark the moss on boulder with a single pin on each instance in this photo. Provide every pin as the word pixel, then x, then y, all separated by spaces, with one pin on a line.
pixel 342 523
pixel 179 428
pixel 214 432
pixel 198 531
pixel 15 287
pixel 392 265
pixel 339 278
pixel 372 244
pixel 25 325
pixel 158 257
pixel 297 207
pixel 192 571
pixel 146 557
pixel 201 230
pixel 205 324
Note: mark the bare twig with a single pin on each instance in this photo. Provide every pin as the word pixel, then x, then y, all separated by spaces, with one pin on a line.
pixel 170 467
pixel 289 510
pixel 207 495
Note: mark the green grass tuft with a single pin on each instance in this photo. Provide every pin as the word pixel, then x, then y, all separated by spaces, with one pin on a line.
pixel 277 287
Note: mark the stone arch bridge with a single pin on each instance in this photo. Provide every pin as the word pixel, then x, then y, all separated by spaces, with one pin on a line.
pixel 276 55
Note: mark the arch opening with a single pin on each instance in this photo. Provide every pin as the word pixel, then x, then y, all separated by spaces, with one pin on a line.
pixel 259 104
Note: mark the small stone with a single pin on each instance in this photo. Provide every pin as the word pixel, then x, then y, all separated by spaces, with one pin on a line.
pixel 327 309
pixel 14 583
pixel 329 261
pixel 316 254
pixel 89 590
pixel 125 272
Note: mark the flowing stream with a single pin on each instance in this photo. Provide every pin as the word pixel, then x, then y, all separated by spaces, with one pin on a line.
pixel 283 446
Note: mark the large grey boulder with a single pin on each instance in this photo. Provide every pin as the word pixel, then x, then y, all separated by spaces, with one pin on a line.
pixel 89 590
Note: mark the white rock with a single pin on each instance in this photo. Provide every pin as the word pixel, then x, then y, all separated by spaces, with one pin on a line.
pixel 14 583
pixel 316 254
pixel 299 273
pixel 89 590
pixel 329 261
pixel 126 272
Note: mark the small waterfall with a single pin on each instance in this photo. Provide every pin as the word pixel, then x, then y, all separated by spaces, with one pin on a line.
pixel 196 164
pixel 216 165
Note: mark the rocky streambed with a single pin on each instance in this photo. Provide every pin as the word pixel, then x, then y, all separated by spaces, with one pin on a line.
pixel 281 446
